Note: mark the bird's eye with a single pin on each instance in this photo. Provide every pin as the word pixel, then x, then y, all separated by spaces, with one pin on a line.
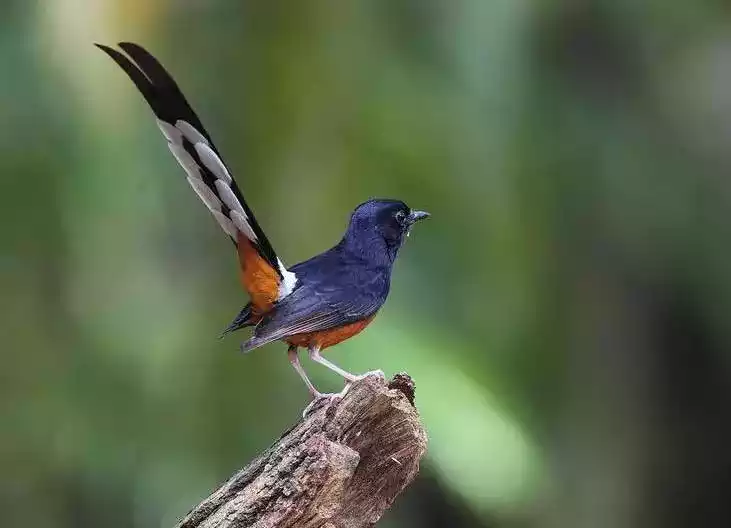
pixel 399 216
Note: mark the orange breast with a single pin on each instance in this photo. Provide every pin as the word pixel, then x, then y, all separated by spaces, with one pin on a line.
pixel 258 277
pixel 329 337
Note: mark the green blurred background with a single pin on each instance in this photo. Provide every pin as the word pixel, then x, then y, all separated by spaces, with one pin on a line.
pixel 564 312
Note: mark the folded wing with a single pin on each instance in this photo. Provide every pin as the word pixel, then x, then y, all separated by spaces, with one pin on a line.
pixel 318 307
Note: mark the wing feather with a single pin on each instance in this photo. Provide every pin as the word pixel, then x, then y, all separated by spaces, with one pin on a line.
pixel 312 308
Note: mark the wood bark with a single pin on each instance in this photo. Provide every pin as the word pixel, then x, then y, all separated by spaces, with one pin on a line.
pixel 341 466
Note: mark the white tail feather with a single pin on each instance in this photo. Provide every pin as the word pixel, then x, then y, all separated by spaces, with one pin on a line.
pixel 212 162
pixel 206 195
pixel 172 134
pixel 242 225
pixel 225 223
pixel 190 133
pixel 185 160
pixel 228 197
pixel 237 221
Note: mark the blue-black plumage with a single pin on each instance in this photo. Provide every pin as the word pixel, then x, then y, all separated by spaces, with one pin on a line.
pixel 346 283
pixel 314 304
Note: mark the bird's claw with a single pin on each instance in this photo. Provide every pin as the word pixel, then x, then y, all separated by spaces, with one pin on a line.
pixel 377 373
pixel 319 400
pixel 349 381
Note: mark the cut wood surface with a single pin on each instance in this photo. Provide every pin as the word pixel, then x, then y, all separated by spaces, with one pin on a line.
pixel 341 466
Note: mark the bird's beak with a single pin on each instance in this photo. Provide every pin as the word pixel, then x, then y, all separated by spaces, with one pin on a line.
pixel 415 216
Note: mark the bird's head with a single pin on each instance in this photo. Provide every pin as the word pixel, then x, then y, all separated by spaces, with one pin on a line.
pixel 381 224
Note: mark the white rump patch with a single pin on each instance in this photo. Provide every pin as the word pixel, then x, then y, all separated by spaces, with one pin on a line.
pixel 190 133
pixel 289 281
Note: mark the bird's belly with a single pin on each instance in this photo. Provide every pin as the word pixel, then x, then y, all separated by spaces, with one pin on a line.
pixel 329 337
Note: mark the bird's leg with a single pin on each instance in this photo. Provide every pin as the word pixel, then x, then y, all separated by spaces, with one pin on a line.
pixel 314 353
pixel 317 396
pixel 295 361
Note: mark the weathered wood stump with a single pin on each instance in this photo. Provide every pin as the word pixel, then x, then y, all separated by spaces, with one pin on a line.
pixel 341 466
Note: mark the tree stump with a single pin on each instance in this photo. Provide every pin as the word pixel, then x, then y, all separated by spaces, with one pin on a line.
pixel 341 466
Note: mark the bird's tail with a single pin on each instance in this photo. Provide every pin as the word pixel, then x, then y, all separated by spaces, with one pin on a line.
pixel 263 274
pixel 244 319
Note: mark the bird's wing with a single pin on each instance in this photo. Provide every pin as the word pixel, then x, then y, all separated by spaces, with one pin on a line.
pixel 263 274
pixel 315 307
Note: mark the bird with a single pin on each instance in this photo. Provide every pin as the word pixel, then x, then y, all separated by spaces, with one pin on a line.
pixel 315 304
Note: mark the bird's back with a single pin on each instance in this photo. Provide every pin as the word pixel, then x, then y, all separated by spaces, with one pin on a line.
pixel 315 304
pixel 335 288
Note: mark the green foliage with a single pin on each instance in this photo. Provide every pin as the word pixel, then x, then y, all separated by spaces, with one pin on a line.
pixel 574 157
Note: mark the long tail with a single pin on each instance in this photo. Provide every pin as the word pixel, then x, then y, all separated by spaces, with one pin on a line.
pixel 209 177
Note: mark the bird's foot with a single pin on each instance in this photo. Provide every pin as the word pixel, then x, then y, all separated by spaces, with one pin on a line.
pixel 349 381
pixel 321 399
pixel 377 373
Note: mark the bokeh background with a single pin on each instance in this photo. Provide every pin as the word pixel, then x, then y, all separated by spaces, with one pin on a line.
pixel 564 312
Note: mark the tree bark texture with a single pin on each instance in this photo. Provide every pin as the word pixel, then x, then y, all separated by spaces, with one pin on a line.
pixel 341 466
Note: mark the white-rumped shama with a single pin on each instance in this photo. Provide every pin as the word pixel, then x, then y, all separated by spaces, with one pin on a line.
pixel 314 304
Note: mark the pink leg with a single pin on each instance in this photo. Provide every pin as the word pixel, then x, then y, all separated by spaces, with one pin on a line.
pixel 314 352
pixel 295 361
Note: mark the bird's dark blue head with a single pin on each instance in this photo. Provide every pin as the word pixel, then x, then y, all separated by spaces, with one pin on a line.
pixel 378 228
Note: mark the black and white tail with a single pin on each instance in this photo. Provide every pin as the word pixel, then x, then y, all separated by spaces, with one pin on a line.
pixel 195 152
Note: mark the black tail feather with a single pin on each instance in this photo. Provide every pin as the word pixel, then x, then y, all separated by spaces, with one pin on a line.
pixel 242 321
pixel 169 104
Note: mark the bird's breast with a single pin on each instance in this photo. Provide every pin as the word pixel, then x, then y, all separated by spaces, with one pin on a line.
pixel 332 336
